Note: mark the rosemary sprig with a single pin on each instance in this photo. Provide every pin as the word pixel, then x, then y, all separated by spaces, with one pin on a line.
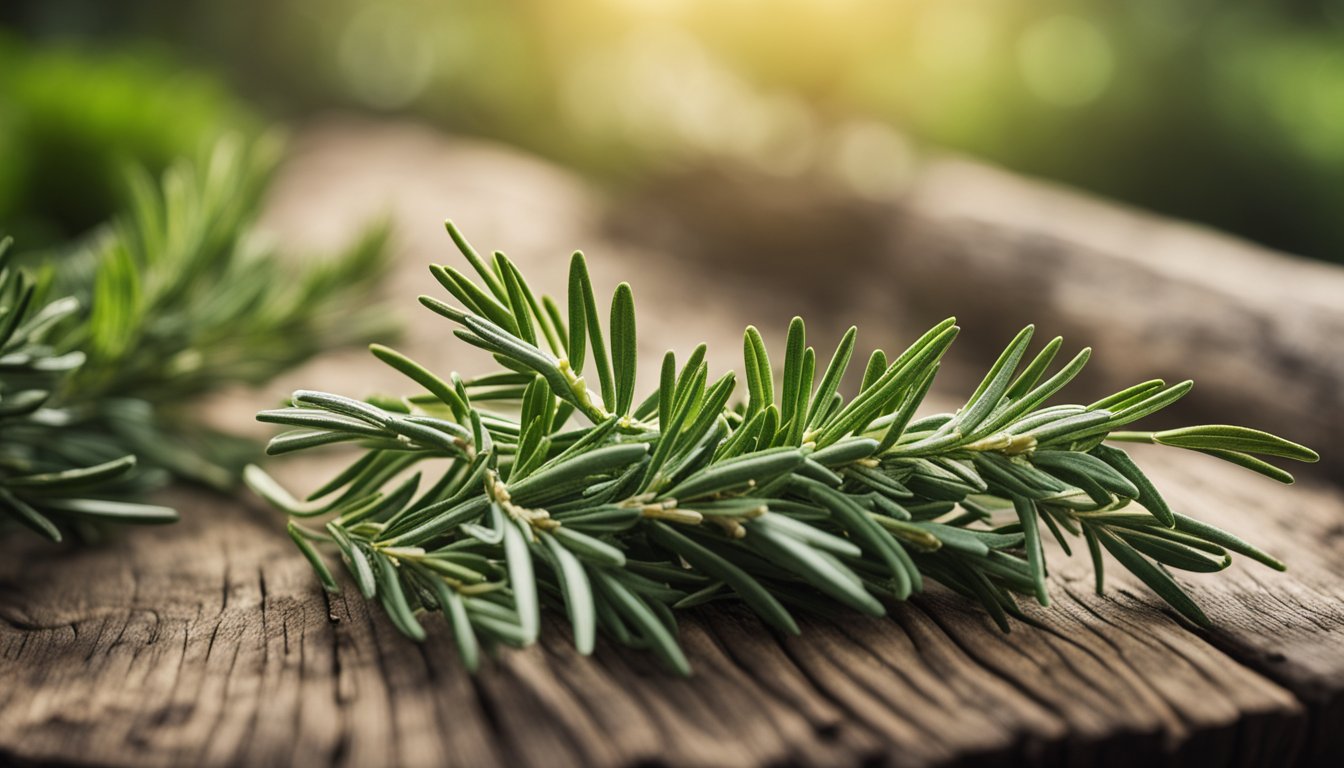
pixel 183 298
pixel 792 500
pixel 176 299
pixel 47 482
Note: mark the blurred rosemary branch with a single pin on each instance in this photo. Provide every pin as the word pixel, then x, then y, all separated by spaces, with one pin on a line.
pixel 175 299
pixel 44 479
pixel 482 499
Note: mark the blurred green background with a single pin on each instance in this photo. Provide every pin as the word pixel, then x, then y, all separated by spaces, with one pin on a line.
pixel 1227 112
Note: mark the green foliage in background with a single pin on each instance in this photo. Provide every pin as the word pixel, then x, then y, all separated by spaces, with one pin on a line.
pixel 175 299
pixel 489 498
pixel 1226 113
pixel 74 120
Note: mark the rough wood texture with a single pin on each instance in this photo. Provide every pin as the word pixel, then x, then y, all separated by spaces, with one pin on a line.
pixel 210 643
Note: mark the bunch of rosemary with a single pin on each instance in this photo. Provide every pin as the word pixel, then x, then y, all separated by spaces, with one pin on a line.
pixel 175 299
pixel 619 511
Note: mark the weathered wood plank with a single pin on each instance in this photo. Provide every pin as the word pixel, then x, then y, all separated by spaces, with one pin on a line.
pixel 209 643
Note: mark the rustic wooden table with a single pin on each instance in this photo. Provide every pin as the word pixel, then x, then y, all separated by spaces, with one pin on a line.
pixel 210 643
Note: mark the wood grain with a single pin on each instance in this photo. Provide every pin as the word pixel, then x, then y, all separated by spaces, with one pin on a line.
pixel 210 643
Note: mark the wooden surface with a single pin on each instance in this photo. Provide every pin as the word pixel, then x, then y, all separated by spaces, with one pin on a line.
pixel 210 643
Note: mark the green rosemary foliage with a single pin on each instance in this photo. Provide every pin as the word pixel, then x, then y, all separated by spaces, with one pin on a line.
pixel 184 299
pixel 176 299
pixel 47 481
pixel 549 493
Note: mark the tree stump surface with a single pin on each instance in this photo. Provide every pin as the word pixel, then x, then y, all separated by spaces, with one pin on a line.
pixel 210 642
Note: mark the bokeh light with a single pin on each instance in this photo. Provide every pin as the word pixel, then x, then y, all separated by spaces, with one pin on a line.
pixel 1199 110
